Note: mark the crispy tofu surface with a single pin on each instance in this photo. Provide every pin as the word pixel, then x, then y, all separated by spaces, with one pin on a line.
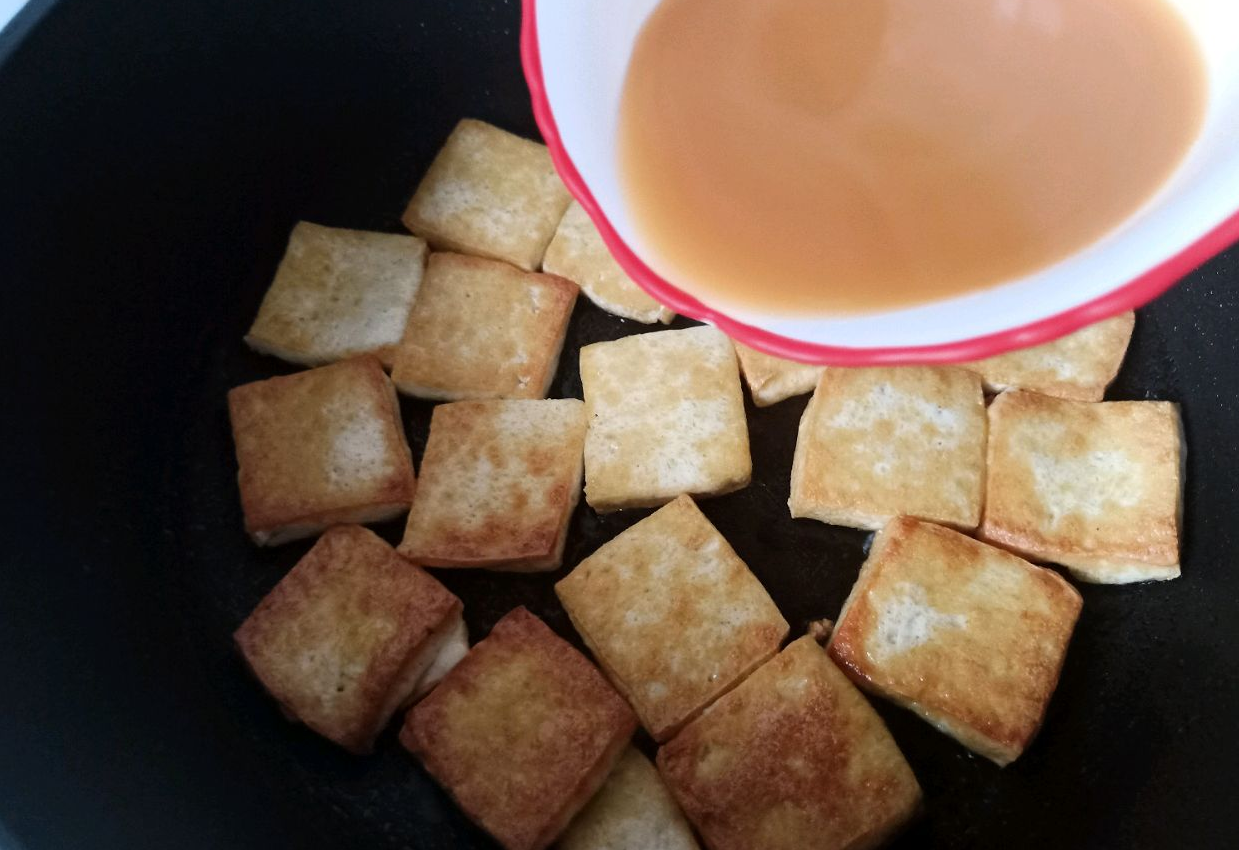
pixel 320 447
pixel 349 635
pixel 578 253
pixel 499 482
pixel 632 811
pixel 672 614
pixel 338 293
pixel 970 637
pixel 483 329
pixel 1077 366
pixel 794 758
pixel 876 443
pixel 666 416
pixel 491 194
pixel 521 733
pixel 1096 487
pixel 772 379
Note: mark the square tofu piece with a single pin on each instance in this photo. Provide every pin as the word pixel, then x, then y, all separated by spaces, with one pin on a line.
pixel 352 633
pixel 521 733
pixel 878 443
pixel 491 194
pixel 318 448
pixel 672 614
pixel 578 253
pixel 1096 487
pixel 633 811
pixel 794 758
pixel 1078 366
pixel 666 416
pixel 969 637
pixel 483 329
pixel 338 293
pixel 772 379
pixel 499 482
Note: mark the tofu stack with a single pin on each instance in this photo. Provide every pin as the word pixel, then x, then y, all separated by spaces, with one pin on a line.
pixel 760 745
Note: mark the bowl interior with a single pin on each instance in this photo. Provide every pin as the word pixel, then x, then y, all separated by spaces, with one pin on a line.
pixel 584 48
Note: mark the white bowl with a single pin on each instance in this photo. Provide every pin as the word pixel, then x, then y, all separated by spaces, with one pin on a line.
pixel 576 55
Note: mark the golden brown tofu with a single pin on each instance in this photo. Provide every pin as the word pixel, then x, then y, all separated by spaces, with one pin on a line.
pixel 672 614
pixel 491 194
pixel 1096 487
pixel 970 637
pixel 338 293
pixel 666 417
pixel 521 733
pixel 320 447
pixel 499 482
pixel 772 379
pixel 578 253
pixel 794 758
pixel 353 632
pixel 1077 366
pixel 483 329
pixel 883 442
pixel 633 811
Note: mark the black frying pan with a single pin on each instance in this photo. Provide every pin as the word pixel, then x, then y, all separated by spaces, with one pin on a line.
pixel 153 157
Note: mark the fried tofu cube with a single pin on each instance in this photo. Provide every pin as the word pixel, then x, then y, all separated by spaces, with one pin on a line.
pixel 491 194
pixel 666 416
pixel 338 293
pixel 350 635
pixel 1094 486
pixel 794 758
pixel 969 637
pixel 521 733
pixel 672 614
pixel 483 329
pixel 633 811
pixel 499 482
pixel 772 379
pixel 1077 366
pixel 878 443
pixel 578 253
pixel 318 448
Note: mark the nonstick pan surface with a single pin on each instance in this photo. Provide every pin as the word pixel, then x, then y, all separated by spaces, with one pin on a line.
pixel 153 157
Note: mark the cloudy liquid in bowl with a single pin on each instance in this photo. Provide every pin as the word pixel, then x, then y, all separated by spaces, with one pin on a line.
pixel 828 157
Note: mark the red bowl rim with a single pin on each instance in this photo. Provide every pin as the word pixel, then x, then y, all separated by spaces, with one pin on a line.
pixel 1135 293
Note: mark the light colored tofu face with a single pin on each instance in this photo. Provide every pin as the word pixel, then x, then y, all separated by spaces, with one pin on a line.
pixel 499 482
pixel 491 194
pixel 970 637
pixel 883 442
pixel 338 642
pixel 794 758
pixel 666 417
pixel 772 379
pixel 320 447
pixel 1096 487
pixel 1077 366
pixel 521 733
pixel 483 329
pixel 578 253
pixel 443 652
pixel 672 614
pixel 632 811
pixel 338 293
